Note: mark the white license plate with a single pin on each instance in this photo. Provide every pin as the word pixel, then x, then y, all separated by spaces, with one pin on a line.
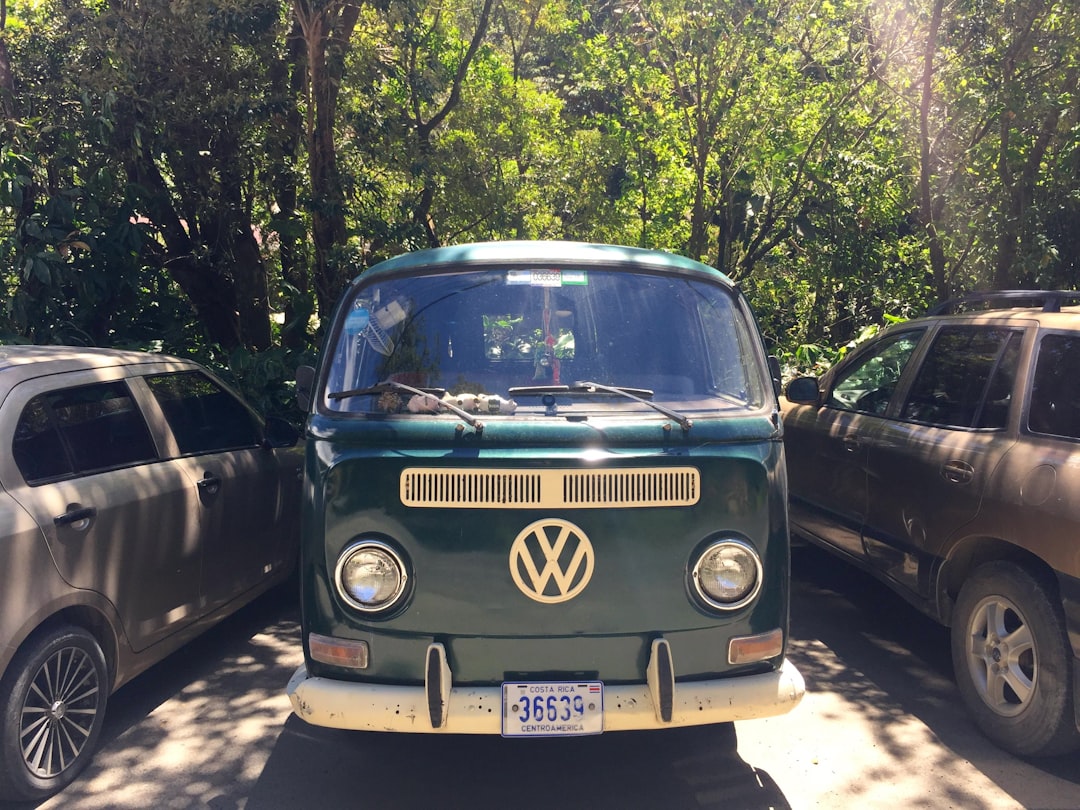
pixel 552 708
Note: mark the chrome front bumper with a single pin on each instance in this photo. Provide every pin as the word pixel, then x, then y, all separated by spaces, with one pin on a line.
pixel 440 707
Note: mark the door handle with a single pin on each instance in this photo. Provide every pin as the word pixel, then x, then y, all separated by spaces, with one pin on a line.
pixel 850 444
pixel 75 515
pixel 210 484
pixel 959 472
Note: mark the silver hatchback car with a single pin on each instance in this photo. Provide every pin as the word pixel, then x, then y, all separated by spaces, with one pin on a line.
pixel 140 501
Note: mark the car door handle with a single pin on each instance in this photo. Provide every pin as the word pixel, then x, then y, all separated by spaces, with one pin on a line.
pixel 850 444
pixel 75 515
pixel 959 472
pixel 210 484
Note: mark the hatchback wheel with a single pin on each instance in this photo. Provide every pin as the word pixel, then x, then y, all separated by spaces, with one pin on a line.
pixel 53 700
pixel 1012 661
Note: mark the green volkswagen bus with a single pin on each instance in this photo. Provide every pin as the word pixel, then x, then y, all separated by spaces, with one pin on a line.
pixel 545 495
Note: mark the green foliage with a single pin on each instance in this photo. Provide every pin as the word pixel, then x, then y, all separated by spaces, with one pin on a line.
pixel 159 188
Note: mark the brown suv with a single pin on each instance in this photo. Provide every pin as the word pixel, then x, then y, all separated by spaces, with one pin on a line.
pixel 943 456
pixel 140 500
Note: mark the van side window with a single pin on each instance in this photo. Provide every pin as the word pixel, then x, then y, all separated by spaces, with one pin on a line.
pixel 203 417
pixel 966 379
pixel 1055 390
pixel 80 430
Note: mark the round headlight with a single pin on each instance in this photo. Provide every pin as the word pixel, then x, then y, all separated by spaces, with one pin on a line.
pixel 727 575
pixel 370 576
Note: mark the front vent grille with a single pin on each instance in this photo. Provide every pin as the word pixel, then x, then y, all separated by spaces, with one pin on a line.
pixel 469 488
pixel 678 487
pixel 549 489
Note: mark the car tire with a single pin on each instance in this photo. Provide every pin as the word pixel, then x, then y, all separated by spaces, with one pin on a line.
pixel 53 701
pixel 1012 661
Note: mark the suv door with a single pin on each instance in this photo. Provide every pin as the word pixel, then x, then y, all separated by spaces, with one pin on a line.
pixel 928 467
pixel 117 518
pixel 1032 499
pixel 827 446
pixel 242 485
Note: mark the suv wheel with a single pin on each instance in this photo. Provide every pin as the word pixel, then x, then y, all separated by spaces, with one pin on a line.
pixel 1012 662
pixel 53 706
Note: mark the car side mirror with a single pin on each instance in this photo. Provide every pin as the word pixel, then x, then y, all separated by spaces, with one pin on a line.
pixel 803 390
pixel 305 383
pixel 280 433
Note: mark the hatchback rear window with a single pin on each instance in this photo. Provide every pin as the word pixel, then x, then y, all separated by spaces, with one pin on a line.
pixel 80 430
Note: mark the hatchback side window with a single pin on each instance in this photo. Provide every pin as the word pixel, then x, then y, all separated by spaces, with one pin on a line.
pixel 1055 390
pixel 203 416
pixel 80 430
pixel 869 384
pixel 966 379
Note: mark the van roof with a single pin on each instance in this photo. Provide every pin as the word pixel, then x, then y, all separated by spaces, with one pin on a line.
pixel 541 252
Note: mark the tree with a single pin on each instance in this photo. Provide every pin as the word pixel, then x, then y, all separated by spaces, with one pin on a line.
pixel 327 27
pixel 433 51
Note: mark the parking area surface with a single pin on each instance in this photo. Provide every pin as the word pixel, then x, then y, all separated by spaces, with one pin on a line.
pixel 881 726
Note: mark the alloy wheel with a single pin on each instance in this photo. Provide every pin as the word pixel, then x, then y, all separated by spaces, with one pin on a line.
pixel 59 712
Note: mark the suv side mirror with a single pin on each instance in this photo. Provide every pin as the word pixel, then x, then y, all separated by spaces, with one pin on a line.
pixel 280 432
pixel 305 382
pixel 803 390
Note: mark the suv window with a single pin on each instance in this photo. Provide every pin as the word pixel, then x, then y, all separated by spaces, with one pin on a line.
pixel 1055 390
pixel 80 430
pixel 202 415
pixel 966 379
pixel 869 384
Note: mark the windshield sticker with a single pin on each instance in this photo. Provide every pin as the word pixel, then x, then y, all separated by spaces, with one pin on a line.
pixel 547 278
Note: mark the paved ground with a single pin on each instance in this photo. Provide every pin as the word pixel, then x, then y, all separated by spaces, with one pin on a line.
pixel 881 727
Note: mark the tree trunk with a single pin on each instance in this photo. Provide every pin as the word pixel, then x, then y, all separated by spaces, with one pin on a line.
pixel 327 32
pixel 424 201
pixel 926 157
pixel 7 82
pixel 289 79
pixel 211 294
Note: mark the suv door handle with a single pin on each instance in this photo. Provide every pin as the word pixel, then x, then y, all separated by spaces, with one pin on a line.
pixel 850 444
pixel 959 472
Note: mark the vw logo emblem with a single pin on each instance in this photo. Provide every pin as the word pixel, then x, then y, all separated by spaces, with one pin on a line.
pixel 551 561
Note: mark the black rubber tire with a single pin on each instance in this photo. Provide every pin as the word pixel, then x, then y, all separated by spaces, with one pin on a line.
pixel 1012 661
pixel 55 691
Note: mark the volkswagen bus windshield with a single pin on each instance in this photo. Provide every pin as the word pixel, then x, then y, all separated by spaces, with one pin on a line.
pixel 518 341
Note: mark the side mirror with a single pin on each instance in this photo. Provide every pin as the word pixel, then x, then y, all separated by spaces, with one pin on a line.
pixel 305 383
pixel 280 432
pixel 803 390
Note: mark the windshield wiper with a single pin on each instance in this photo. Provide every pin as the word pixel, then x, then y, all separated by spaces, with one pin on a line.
pixel 435 394
pixel 642 395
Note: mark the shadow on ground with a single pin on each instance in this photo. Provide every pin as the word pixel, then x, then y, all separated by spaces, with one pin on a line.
pixel 685 768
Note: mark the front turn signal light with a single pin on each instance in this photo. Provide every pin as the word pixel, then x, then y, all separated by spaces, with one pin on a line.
pixel 761 647
pixel 338 652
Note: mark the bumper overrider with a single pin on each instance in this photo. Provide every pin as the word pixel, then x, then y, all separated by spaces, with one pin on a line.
pixel 440 707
